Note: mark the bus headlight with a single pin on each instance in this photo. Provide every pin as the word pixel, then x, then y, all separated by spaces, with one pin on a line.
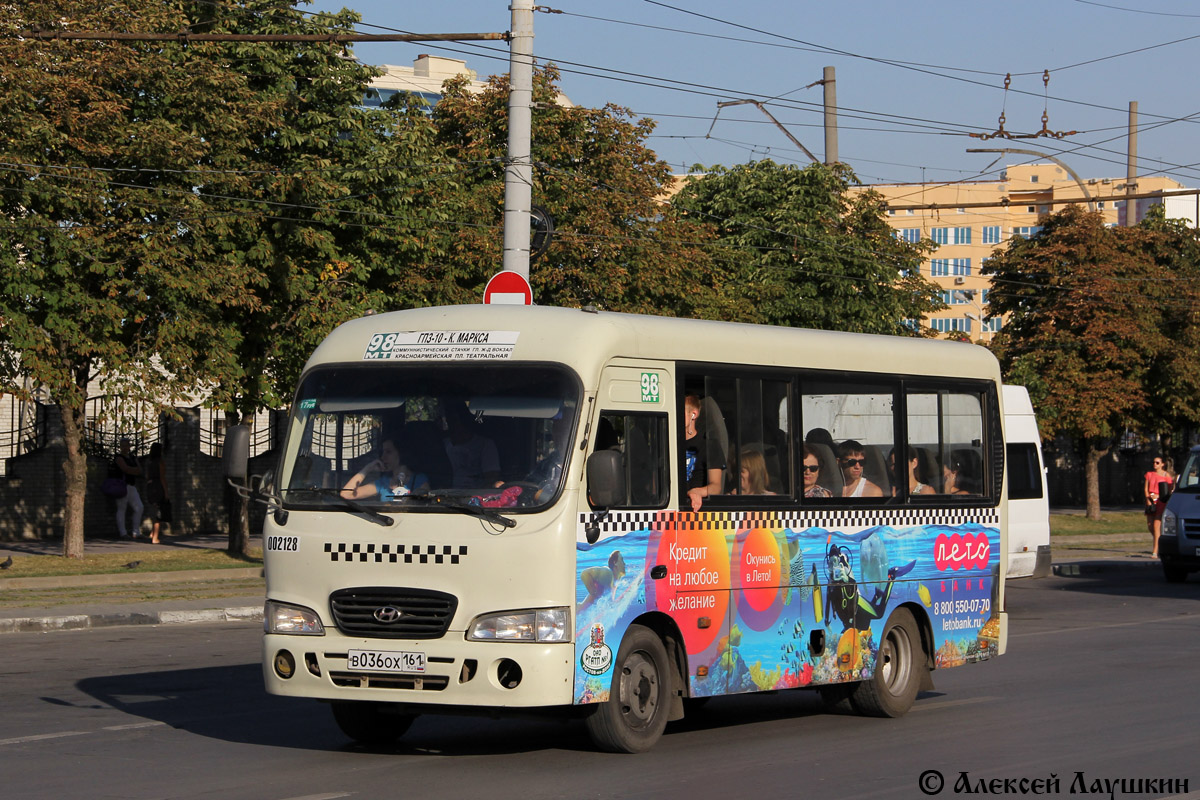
pixel 1168 523
pixel 534 625
pixel 293 620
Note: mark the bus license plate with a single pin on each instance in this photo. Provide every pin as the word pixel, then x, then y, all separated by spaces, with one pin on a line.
pixel 386 661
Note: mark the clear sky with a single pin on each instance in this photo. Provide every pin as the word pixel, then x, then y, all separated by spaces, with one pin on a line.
pixel 912 78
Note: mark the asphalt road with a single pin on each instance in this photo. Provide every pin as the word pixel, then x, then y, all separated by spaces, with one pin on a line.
pixel 1100 679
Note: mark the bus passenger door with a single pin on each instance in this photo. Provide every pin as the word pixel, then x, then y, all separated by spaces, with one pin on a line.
pixel 640 547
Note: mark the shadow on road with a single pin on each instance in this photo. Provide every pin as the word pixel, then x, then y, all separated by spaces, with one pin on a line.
pixel 1121 578
pixel 229 704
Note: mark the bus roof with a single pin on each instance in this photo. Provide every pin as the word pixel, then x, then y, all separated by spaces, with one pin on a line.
pixel 587 339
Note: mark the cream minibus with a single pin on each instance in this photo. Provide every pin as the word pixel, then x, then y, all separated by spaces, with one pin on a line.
pixel 497 508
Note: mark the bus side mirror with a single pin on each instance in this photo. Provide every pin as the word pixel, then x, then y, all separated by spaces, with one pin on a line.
pixel 1164 492
pixel 606 479
pixel 236 452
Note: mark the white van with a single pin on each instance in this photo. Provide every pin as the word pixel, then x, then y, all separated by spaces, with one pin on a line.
pixel 1179 544
pixel 1028 500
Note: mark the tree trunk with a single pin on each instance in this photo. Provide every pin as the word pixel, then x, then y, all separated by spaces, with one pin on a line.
pixel 74 416
pixel 238 509
pixel 1092 477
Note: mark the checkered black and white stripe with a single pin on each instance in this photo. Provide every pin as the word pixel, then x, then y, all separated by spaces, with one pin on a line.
pixel 833 519
pixel 394 554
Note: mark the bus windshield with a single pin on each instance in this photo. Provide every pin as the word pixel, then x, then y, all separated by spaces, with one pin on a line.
pixel 426 437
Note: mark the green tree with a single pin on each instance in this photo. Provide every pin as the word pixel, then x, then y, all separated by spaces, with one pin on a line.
pixel 316 212
pixel 801 250
pixel 613 245
pixel 1173 383
pixel 100 141
pixel 1083 328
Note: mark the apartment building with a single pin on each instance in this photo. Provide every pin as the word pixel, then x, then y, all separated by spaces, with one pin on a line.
pixel 425 78
pixel 969 220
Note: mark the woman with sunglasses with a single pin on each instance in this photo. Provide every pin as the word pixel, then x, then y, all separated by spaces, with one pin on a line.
pixel 1155 502
pixel 812 471
pixel 852 459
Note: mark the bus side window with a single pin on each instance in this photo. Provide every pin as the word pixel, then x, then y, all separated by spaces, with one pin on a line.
pixel 642 441
pixel 946 436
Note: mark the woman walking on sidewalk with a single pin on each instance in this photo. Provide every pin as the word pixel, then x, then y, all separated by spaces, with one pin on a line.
pixel 128 464
pixel 156 491
pixel 1155 502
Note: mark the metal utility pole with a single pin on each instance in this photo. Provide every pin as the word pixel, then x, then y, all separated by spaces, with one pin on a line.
pixel 831 130
pixel 1131 168
pixel 518 171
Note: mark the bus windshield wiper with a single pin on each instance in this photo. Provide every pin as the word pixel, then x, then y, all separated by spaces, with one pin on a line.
pixel 489 514
pixel 352 505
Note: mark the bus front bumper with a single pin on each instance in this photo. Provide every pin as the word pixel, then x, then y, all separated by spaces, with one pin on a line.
pixel 456 672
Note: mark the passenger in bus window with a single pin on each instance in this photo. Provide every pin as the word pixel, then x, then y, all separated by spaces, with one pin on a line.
pixel 474 459
pixel 704 464
pixel 852 460
pixel 753 472
pixel 812 473
pixel 960 474
pixel 386 477
pixel 915 486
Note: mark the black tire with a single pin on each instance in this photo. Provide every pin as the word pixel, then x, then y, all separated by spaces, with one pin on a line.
pixel 896 679
pixel 639 699
pixel 1174 573
pixel 371 723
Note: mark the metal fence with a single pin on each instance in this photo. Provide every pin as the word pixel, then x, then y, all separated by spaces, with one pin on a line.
pixel 212 432
pixel 110 418
pixel 22 428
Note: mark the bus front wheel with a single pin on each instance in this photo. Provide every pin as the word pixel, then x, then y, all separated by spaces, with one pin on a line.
pixel 370 723
pixel 893 686
pixel 635 715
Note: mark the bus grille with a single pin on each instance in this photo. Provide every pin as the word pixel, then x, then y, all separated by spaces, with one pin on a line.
pixel 392 613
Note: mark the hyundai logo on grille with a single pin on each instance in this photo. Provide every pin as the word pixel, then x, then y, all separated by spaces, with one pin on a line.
pixel 388 614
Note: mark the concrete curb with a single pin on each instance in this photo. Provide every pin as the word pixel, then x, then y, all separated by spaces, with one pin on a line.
pixel 1075 568
pixel 108 620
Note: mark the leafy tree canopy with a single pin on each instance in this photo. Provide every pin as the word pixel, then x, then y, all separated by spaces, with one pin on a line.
pixel 801 250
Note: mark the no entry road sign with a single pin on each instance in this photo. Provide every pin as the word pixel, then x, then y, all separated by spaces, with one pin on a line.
pixel 508 288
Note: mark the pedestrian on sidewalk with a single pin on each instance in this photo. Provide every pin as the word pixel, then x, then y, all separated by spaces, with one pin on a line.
pixel 157 497
pixel 1156 503
pixel 128 464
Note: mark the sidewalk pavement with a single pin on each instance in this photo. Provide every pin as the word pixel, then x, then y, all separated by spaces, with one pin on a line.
pixel 236 595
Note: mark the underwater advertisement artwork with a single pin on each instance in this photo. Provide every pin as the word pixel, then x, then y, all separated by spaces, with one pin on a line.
pixel 769 601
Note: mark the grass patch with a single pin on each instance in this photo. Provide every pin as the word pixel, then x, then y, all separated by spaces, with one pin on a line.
pixel 139 593
pixel 1113 522
pixel 167 560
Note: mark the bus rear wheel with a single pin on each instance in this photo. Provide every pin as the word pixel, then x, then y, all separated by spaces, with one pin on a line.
pixel 894 683
pixel 635 715
pixel 371 723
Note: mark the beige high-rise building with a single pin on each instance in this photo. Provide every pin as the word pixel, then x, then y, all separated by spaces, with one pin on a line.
pixel 969 220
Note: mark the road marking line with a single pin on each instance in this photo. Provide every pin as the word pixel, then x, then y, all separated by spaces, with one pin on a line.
pixel 134 726
pixel 64 734
pixel 39 737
